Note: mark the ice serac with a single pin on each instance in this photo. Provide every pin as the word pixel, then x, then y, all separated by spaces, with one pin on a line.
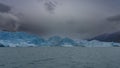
pixel 54 41
pixel 22 39
pixel 67 42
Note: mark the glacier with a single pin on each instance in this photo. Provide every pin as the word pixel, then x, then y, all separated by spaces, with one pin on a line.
pixel 23 39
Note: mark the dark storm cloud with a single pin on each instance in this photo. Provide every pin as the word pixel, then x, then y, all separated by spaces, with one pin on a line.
pixel 8 21
pixel 32 28
pixel 115 18
pixel 19 22
pixel 4 8
pixel 50 5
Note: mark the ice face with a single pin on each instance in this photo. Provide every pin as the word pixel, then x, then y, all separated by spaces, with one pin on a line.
pixel 14 39
pixel 67 41
pixel 1 45
pixel 55 40
pixel 22 39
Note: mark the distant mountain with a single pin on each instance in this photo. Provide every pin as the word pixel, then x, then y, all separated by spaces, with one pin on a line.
pixel 110 37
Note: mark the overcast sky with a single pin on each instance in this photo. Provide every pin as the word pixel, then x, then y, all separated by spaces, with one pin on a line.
pixel 74 18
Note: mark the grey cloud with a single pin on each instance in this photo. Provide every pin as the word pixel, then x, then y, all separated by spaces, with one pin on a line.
pixel 4 8
pixel 114 18
pixel 75 18
pixel 50 5
pixel 32 28
pixel 8 22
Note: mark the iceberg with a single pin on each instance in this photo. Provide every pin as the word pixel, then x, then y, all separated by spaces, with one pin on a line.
pixel 22 39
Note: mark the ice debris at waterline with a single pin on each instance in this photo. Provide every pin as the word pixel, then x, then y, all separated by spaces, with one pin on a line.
pixel 22 39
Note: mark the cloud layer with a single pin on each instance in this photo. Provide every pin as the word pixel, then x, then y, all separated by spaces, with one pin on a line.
pixel 74 18
pixel 8 21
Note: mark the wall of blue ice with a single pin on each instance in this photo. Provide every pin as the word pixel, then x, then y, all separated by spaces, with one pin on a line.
pixel 22 39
